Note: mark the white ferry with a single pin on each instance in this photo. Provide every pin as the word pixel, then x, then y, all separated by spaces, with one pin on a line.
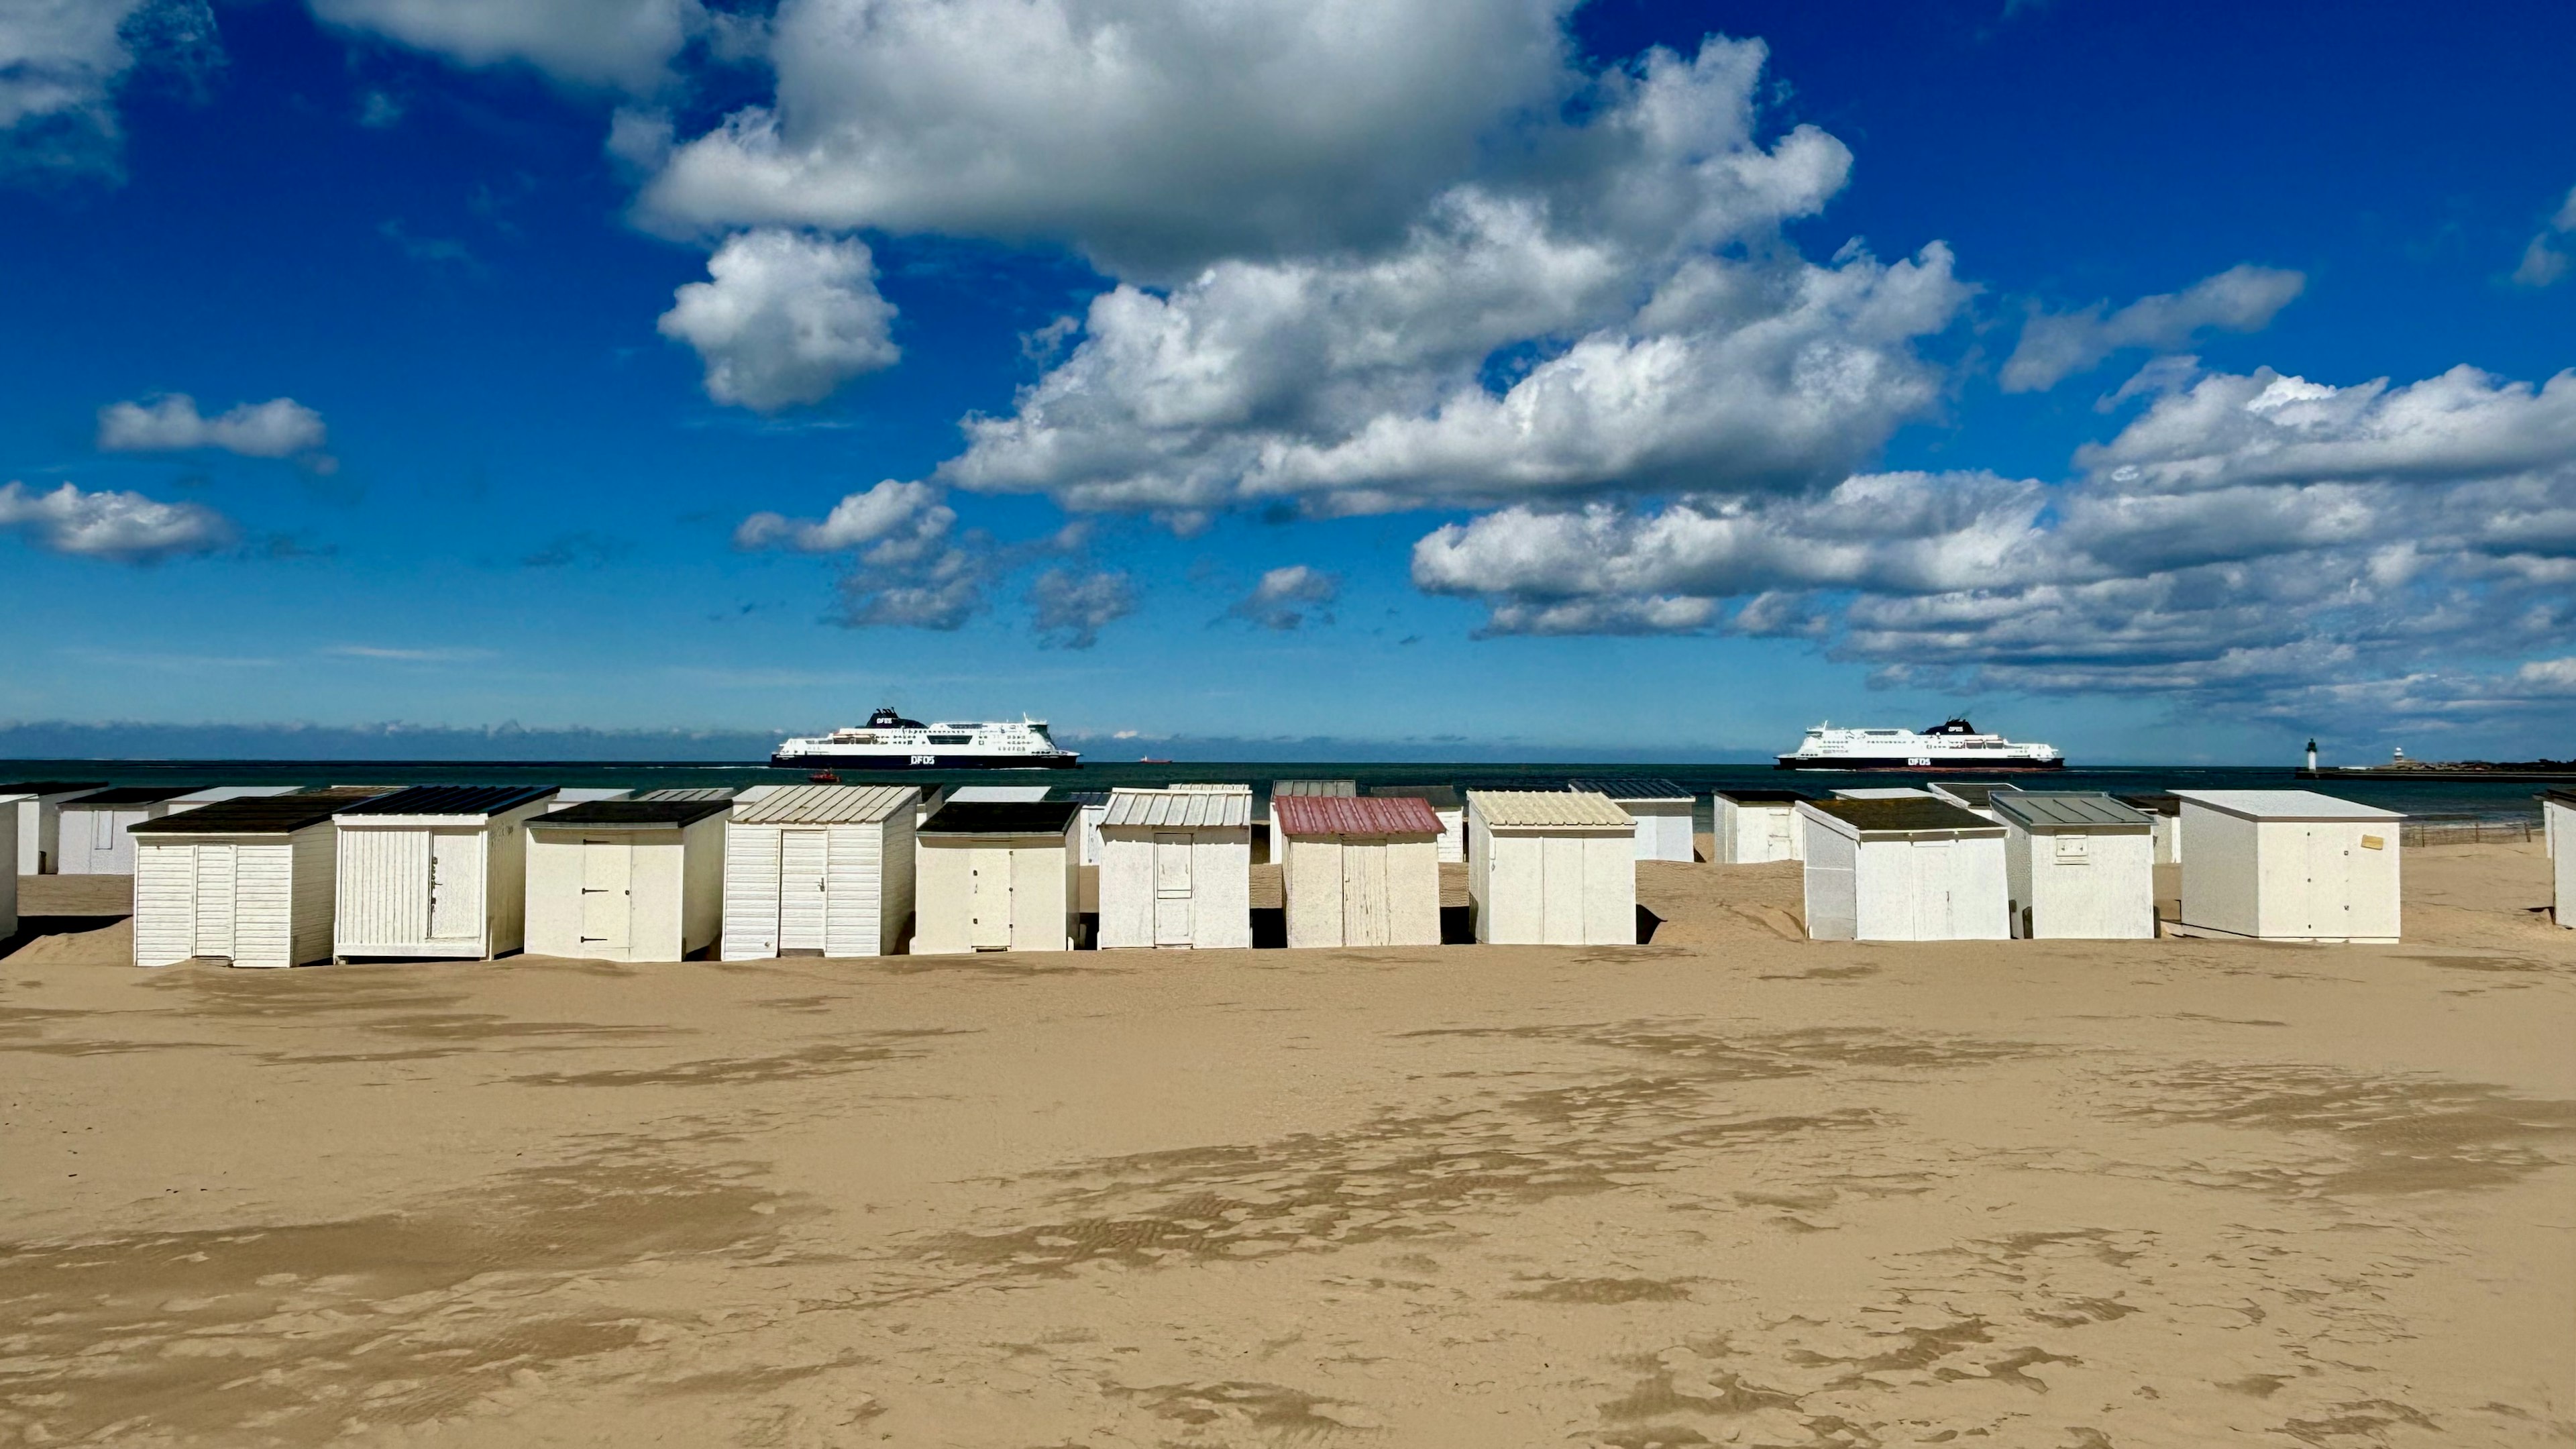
pixel 888 741
pixel 1953 745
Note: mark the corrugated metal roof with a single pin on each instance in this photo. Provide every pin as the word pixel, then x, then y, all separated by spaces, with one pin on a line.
pixel 133 795
pixel 1438 797
pixel 992 794
pixel 254 814
pixel 630 814
pixel 1001 817
pixel 1763 797
pixel 1207 786
pixel 1344 788
pixel 826 805
pixel 451 800
pixel 691 792
pixel 1363 815
pixel 2069 810
pixel 1082 797
pixel 1632 787
pixel 1971 793
pixel 1579 809
pixel 2286 805
pixel 1178 810
pixel 1901 816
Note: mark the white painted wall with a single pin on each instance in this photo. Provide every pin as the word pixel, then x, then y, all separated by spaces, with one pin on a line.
pixel 1012 893
pixel 95 842
pixel 1832 882
pixel 1176 889
pixel 40 827
pixel 1663 829
pixel 1753 832
pixel 1551 886
pixel 2080 883
pixel 861 894
pixel 2290 880
pixel 625 895
pixel 1362 890
pixel 2561 819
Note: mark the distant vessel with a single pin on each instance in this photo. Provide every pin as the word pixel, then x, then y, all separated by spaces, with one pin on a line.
pixel 888 741
pixel 1952 745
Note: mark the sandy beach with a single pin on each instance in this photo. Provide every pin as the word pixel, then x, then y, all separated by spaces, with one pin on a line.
pixel 1731 1187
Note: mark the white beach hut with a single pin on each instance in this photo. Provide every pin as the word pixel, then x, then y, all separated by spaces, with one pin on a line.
pixel 1449 806
pixel 1902 870
pixel 1754 826
pixel 1176 869
pixel 1551 867
pixel 2078 867
pixel 997 876
pixel 819 870
pixel 435 872
pixel 249 881
pixel 92 837
pixel 1661 808
pixel 626 880
pixel 2288 865
pixel 39 818
pixel 2166 811
pixel 2558 815
pixel 1974 796
pixel 1359 872
pixel 9 871
pixel 1094 803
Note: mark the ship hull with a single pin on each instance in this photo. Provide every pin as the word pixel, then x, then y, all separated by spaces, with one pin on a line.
pixel 1917 764
pixel 860 760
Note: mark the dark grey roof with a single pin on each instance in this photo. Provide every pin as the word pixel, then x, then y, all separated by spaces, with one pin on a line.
pixel 1919 813
pixel 2153 804
pixel 1081 797
pixel 2563 797
pixel 1970 792
pixel 253 814
pixel 2069 810
pixel 1764 797
pixel 1438 797
pixel 451 800
pixel 1001 817
pixel 1632 787
pixel 50 787
pixel 632 814
pixel 135 795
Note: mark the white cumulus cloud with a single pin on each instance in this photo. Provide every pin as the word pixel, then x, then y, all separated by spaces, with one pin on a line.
pixel 623 44
pixel 278 428
pixel 62 62
pixel 118 526
pixel 784 319
pixel 2543 261
pixel 1287 597
pixel 1565 328
pixel 2055 346
pixel 1152 136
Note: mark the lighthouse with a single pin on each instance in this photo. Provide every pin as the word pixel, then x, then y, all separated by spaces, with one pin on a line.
pixel 2312 754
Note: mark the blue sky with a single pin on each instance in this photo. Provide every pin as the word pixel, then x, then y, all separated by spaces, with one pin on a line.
pixel 2170 383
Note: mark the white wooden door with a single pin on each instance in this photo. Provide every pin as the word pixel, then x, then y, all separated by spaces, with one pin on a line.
pixel 1560 890
pixel 988 897
pixel 455 885
pixel 803 858
pixel 1931 861
pixel 1364 894
pixel 2329 882
pixel 106 828
pixel 607 895
pixel 1172 890
pixel 1776 825
pixel 213 908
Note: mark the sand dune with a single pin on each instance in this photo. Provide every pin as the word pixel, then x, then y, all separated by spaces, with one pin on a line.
pixel 1729 1187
